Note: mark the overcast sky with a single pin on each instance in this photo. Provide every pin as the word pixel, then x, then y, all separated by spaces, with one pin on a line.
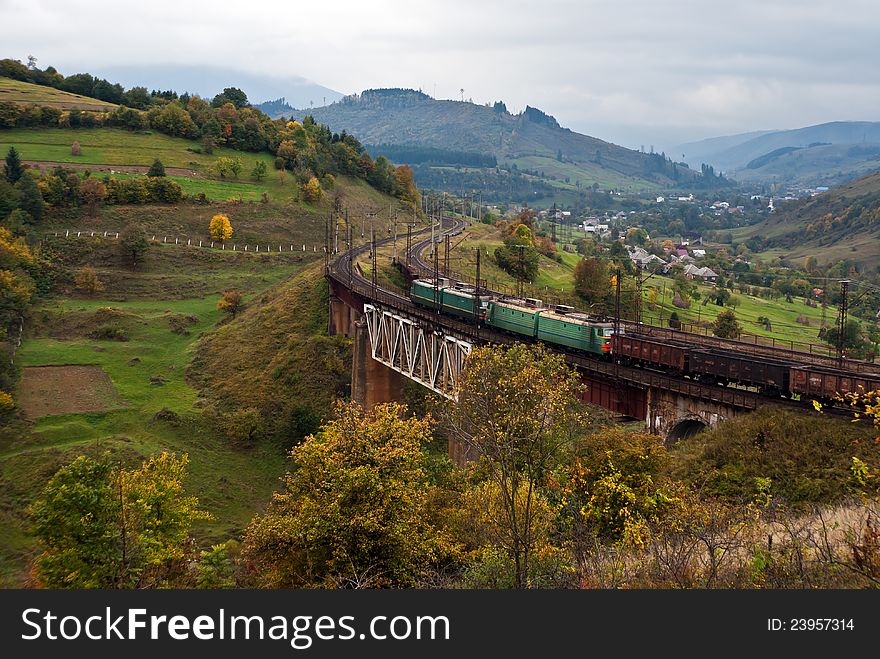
pixel 632 71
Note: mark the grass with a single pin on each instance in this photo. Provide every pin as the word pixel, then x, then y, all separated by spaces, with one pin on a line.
pixel 783 315
pixel 232 482
pixel 25 93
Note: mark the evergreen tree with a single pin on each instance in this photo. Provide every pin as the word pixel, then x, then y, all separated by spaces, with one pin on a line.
pixel 31 199
pixel 14 169
pixel 157 168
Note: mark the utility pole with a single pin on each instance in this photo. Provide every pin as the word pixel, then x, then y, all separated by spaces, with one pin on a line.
pixel 375 267
pixel 841 320
pixel 436 280
pixel 350 264
pixel 408 242
pixel 477 306
pixel 394 257
pixel 446 254
pixel 327 245
pixel 617 302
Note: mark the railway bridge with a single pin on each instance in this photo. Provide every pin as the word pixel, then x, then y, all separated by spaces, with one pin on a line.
pixel 396 339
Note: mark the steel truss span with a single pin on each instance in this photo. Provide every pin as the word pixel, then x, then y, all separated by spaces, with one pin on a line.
pixel 432 358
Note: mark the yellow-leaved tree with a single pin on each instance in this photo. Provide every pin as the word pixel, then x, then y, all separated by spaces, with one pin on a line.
pixel 312 190
pixel 220 228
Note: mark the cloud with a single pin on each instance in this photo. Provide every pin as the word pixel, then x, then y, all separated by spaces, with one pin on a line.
pixel 634 67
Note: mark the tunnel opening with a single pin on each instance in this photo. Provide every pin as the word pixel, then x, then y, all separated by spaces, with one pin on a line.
pixel 685 430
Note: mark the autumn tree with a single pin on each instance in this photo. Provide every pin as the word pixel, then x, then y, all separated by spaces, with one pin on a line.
pixel 405 186
pixel 13 169
pixel 592 281
pixel 87 280
pixel 101 526
pixel 353 512
pixel 75 149
pixel 516 409
pixel 133 244
pixel 157 169
pixel 231 302
pixel 92 192
pixel 312 190
pixel 220 228
pixel 726 325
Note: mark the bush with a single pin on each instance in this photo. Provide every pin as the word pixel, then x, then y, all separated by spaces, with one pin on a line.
pixel 75 149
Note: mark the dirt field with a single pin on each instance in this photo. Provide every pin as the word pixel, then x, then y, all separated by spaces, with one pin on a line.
pixel 50 390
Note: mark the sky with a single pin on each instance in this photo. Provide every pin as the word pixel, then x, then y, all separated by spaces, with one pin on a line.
pixel 636 72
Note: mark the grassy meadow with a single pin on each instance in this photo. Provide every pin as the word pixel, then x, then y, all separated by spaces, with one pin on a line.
pixel 25 93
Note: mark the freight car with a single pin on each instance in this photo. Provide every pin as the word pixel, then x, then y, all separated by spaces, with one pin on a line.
pixel 823 383
pixel 668 356
pixel 725 366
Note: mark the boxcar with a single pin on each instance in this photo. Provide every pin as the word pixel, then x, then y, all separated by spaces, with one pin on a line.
pixel 821 382
pixel 726 366
pixel 651 350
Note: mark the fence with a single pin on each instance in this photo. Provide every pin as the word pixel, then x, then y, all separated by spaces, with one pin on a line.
pixel 261 248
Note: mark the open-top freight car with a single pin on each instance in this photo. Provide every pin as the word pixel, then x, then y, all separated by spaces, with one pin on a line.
pixel 641 349
pixel 823 383
pixel 726 366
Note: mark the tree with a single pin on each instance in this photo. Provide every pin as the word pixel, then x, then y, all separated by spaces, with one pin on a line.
pixel 133 244
pixel 592 281
pixel 854 341
pixel 516 408
pixel 235 167
pixel 101 526
pixel 220 228
pixel 353 512
pixel 14 168
pixel 259 171
pixel 312 190
pixel 87 280
pixel 231 303
pixel 92 192
pixel 726 325
pixel 30 197
pixel 156 169
pixel 75 149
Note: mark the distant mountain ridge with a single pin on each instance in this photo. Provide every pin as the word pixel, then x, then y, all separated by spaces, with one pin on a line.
pixel 824 154
pixel 530 141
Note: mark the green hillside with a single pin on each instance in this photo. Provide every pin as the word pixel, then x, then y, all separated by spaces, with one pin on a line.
pixel 26 93
pixel 841 224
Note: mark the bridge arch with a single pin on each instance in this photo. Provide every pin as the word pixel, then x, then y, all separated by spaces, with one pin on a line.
pixel 685 429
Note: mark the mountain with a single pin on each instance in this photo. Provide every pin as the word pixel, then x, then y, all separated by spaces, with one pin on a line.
pixel 209 81
pixel 826 154
pixel 843 223
pixel 708 150
pixel 531 142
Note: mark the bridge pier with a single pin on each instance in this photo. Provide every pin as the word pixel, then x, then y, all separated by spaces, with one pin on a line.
pixel 371 381
pixel 341 318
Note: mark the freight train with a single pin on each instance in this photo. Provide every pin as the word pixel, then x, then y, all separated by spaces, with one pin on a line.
pixel 565 326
